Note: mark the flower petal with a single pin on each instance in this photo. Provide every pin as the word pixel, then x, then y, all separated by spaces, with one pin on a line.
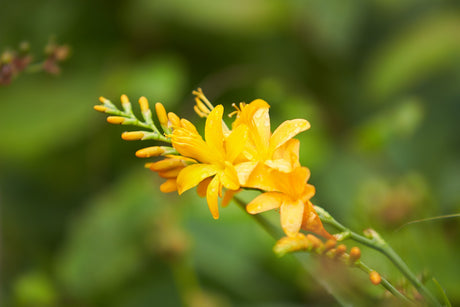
pixel 212 196
pixel 311 222
pixel 289 151
pixel 264 202
pixel 244 170
pixel 228 195
pixel 291 215
pixel 287 131
pixel 203 187
pixel 229 177
pixel 193 175
pixel 214 135
pixel 235 142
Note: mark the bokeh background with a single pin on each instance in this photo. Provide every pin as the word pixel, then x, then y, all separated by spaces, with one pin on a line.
pixel 84 224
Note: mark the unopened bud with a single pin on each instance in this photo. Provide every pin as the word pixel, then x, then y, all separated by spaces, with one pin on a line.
pixel 148 152
pixel 161 114
pixel 375 277
pixel 124 99
pixel 168 186
pixel 100 108
pixel 103 99
pixel 117 120
pixel 330 244
pixel 340 250
pixel 132 135
pixel 166 164
pixel 316 243
pixel 174 119
pixel 355 254
pixel 144 103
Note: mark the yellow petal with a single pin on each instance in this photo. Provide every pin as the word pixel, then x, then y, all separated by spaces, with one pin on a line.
pixel 192 145
pixel 289 151
pixel 228 195
pixel 264 202
pixel 170 173
pixel 212 197
pixel 279 165
pixel 229 177
pixel 244 170
pixel 203 187
pixel 287 131
pixel 213 131
pixel 235 142
pixel 193 175
pixel 291 215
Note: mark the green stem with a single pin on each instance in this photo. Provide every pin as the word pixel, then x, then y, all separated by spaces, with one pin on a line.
pixel 385 283
pixel 376 242
pixel 276 233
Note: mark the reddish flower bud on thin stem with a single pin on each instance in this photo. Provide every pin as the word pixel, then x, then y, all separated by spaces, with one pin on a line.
pixel 355 254
pixel 375 277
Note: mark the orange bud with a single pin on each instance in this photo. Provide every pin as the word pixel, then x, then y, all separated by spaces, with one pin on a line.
pixel 316 243
pixel 103 99
pixel 166 164
pixel 168 186
pixel 132 135
pixel 170 173
pixel 355 254
pixel 144 103
pixel 148 152
pixel 330 244
pixel 340 250
pixel 100 108
pixel 161 114
pixel 117 120
pixel 375 277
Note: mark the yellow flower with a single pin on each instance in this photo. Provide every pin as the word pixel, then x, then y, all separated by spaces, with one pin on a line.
pixel 292 195
pixel 265 150
pixel 216 155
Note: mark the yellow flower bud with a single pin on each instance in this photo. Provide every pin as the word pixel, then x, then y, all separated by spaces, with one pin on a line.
pixel 339 251
pixel 103 99
pixel 148 152
pixel 316 243
pixel 166 164
pixel 161 114
pixel 174 119
pixel 375 277
pixel 132 135
pixel 124 99
pixel 117 120
pixel 330 244
pixel 100 108
pixel 144 103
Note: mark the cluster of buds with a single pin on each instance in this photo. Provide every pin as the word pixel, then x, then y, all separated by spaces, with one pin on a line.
pixel 329 249
pixel 14 62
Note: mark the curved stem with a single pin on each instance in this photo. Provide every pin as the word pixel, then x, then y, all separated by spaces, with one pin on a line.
pixel 375 241
pixel 385 283
pixel 276 233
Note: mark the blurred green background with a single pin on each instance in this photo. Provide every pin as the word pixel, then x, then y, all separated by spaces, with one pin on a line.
pixel 84 224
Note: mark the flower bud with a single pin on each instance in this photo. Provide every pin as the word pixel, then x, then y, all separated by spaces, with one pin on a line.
pixel 100 108
pixel 148 152
pixel 132 135
pixel 161 114
pixel 355 254
pixel 117 120
pixel 144 103
pixel 168 186
pixel 375 277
